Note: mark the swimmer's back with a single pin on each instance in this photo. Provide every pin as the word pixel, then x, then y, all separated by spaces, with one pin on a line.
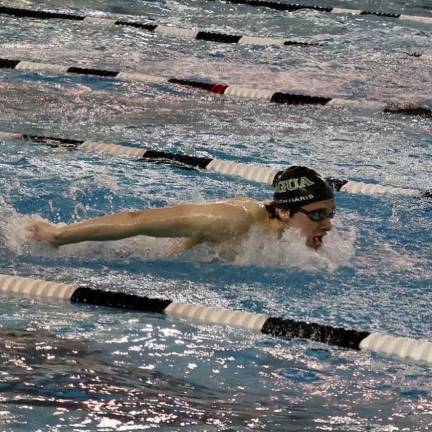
pixel 222 220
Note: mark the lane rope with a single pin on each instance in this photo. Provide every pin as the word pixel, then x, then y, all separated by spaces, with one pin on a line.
pixel 292 7
pixel 251 172
pixel 402 347
pixel 221 89
pixel 179 32
pixel 289 7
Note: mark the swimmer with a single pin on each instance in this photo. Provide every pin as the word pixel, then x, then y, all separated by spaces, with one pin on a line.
pixel 302 199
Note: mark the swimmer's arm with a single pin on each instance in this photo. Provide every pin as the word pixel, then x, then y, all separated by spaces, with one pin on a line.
pixel 180 245
pixel 212 221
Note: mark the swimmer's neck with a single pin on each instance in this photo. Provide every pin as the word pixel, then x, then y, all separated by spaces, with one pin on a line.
pixel 270 222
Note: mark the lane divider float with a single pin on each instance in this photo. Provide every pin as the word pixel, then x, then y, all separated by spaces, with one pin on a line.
pixel 419 350
pixel 221 89
pixel 292 7
pixel 251 172
pixel 159 29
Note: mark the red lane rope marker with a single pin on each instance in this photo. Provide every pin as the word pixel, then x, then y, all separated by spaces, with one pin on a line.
pixel 222 89
pixel 218 88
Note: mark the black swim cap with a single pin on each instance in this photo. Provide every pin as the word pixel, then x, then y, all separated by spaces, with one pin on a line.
pixel 298 186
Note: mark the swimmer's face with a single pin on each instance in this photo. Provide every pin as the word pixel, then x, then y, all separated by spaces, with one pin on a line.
pixel 313 219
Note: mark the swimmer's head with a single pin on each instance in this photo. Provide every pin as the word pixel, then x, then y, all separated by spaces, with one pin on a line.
pixel 303 199
pixel 298 186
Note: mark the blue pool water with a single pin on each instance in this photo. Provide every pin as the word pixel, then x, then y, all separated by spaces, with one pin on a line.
pixel 77 368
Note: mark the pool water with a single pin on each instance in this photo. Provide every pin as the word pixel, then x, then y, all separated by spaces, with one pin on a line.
pixel 81 368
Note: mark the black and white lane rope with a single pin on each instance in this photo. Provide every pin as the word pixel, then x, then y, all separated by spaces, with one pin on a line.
pixel 251 172
pixel 274 96
pixel 292 7
pixel 401 347
pixel 179 32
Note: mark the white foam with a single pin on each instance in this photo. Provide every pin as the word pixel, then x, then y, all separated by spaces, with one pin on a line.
pixel 16 236
pixel 266 249
pixel 100 180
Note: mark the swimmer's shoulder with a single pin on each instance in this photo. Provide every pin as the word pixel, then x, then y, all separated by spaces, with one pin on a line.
pixel 244 202
pixel 240 206
pixel 253 207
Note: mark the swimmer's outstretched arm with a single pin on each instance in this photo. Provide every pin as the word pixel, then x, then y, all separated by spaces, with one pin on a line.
pixel 208 221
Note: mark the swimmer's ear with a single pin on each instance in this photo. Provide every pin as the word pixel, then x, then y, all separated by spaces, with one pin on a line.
pixel 282 215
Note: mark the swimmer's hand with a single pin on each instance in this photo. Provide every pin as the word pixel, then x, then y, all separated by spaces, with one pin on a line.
pixel 45 231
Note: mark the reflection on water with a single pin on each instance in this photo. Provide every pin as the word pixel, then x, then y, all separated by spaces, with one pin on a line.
pixel 372 273
pixel 50 380
pixel 52 376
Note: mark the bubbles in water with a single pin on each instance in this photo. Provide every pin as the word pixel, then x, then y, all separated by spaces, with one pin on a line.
pixel 265 249
pixel 100 180
pixel 14 228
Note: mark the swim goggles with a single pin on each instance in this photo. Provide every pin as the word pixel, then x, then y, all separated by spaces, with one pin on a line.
pixel 318 215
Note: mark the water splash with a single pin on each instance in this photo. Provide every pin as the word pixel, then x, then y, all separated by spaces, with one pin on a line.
pixel 258 247
pixel 263 249
pixel 14 233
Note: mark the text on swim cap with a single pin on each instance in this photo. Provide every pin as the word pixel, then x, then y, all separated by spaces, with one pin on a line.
pixel 297 199
pixel 293 184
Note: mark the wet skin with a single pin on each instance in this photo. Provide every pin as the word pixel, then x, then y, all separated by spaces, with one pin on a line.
pixel 314 231
pixel 213 222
